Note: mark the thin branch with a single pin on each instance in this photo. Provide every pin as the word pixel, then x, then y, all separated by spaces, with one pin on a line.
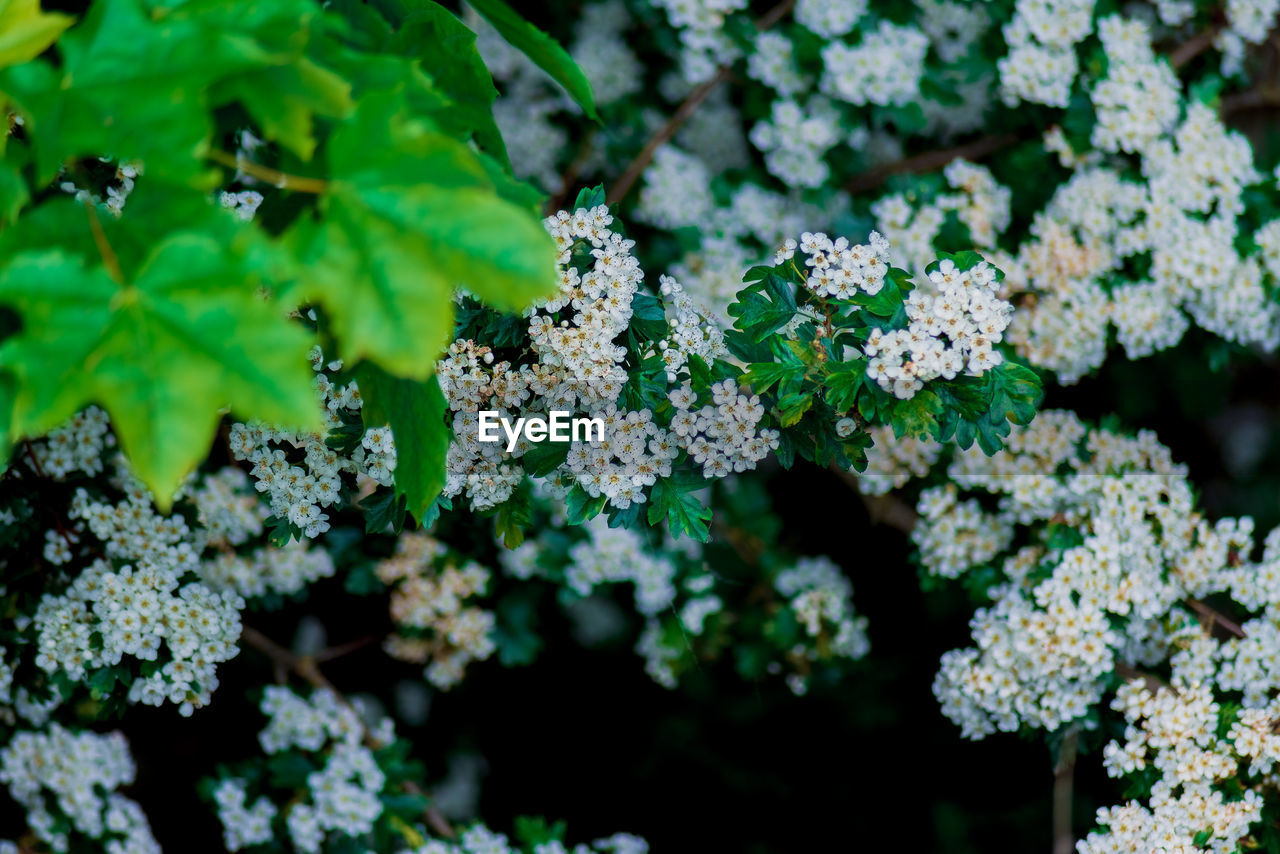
pixel 332 652
pixel 682 114
pixel 930 160
pixel 1192 47
pixel 686 109
pixel 1154 683
pixel 274 177
pixel 1214 617
pixel 884 509
pixel 1064 839
pixel 109 259
pixel 306 667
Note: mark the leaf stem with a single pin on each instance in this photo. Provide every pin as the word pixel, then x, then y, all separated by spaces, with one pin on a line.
pixel 109 259
pixel 274 177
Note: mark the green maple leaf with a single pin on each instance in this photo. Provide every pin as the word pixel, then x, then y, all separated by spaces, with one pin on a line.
pixel 409 215
pixel 132 84
pixel 25 31
pixel 164 353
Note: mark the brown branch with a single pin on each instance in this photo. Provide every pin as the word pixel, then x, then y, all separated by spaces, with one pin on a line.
pixel 1154 683
pixel 1192 47
pixel 332 652
pixel 109 259
pixel 930 160
pixel 1213 617
pixel 274 177
pixel 1064 839
pixel 884 509
pixel 682 114
pixel 306 667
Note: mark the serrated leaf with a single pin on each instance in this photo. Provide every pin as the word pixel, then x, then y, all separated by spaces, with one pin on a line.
pixel 917 416
pixel 545 52
pixel 164 354
pixel 25 31
pixel 410 214
pixel 416 411
pixel 447 50
pixel 383 508
pixel 684 513
pixel 131 85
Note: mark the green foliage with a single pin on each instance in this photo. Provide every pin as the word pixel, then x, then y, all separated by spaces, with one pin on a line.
pixel 379 209
pixel 542 49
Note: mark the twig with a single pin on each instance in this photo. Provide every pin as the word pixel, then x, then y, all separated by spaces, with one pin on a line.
pixel 306 667
pixel 109 259
pixel 929 160
pixel 332 652
pixel 274 177
pixel 1192 47
pixel 1154 683
pixel 884 509
pixel 686 109
pixel 1214 617
pixel 1064 840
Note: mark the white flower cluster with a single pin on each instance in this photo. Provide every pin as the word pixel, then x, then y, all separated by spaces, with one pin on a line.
pixel 676 190
pixel 283 571
pixel 955 535
pixel 343 796
pixel 1042 64
pixel 883 69
pixel 133 610
pixel 228 511
pixel 691 334
pixel 1072 609
pixel 773 63
pixel 428 597
pixel 893 462
pixel 966 311
pixel 242 825
pixel 612 555
pixel 830 18
pixel 700 23
pixel 603 54
pixel 952 26
pixel 723 436
pixel 300 493
pixel 822 599
pixel 980 203
pixel 79 771
pixel 837 269
pixel 1185 216
pixel 479 839
pixel 1174 731
pixel 795 140
pixel 243 204
pixel 1138 101
pixel 76 446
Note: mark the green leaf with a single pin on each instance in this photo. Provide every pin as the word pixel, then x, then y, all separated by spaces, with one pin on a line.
pixel 131 85
pixel 416 411
pixel 164 354
pixel 843 382
pixel 447 49
pixel 542 458
pixel 764 307
pixel 580 507
pixel 684 513
pixel 383 508
pixel 764 375
pixel 25 31
pixel 917 416
pixel 410 214
pixel 545 52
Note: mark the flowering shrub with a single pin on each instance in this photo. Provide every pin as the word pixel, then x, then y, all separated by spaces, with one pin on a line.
pixel 269 273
